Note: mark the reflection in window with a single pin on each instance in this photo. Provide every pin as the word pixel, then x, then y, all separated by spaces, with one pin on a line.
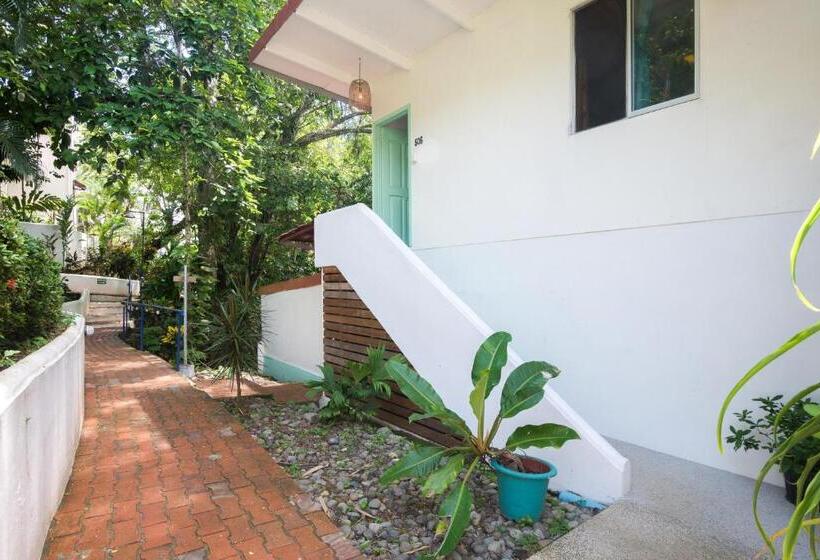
pixel 663 51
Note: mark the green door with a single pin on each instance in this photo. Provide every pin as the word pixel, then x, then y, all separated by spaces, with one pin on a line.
pixel 390 178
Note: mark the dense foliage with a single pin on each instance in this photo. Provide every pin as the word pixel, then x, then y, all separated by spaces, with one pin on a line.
pixel 31 291
pixel 173 122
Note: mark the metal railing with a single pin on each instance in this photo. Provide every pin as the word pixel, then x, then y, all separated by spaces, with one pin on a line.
pixel 138 310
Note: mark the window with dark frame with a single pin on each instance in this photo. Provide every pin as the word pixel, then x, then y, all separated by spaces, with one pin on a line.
pixel 660 63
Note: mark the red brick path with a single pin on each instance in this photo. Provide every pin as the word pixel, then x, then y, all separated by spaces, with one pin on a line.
pixel 163 471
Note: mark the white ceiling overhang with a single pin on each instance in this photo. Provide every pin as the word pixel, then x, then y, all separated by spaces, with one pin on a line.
pixel 318 43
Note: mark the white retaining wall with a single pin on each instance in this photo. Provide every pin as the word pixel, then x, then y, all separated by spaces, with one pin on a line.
pixel 293 346
pixel 41 415
pixel 78 306
pixel 105 285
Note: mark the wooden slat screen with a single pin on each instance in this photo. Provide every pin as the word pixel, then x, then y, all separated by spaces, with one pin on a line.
pixel 350 328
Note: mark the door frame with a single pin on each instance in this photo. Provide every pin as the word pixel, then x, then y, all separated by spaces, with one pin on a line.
pixel 378 125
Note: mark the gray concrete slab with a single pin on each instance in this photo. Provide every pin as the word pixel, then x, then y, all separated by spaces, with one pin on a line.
pixel 676 509
pixel 627 531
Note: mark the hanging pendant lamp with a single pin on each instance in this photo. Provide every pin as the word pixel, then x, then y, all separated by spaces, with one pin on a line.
pixel 360 92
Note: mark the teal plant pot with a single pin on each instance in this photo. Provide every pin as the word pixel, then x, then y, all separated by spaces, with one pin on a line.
pixel 522 495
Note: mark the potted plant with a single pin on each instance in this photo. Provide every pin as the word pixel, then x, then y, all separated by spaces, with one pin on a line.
pixel 761 430
pixel 522 481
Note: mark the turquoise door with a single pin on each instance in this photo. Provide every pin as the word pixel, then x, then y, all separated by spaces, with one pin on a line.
pixel 390 179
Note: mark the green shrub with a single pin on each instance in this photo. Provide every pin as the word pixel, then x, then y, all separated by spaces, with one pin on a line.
pixel 350 394
pixel 31 291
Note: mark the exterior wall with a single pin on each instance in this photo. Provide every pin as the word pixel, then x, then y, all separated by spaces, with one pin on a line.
pixel 41 415
pixel 647 257
pixel 292 349
pixel 104 285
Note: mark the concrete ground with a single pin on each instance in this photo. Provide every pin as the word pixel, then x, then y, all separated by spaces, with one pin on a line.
pixel 676 509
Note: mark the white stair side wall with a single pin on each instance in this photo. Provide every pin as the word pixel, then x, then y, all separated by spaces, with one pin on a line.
pixel 439 334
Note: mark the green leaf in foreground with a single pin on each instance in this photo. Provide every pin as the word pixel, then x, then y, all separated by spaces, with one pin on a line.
pixel 524 387
pixel 417 463
pixel 491 356
pixel 456 506
pixel 542 435
pixel 419 390
pixel 441 479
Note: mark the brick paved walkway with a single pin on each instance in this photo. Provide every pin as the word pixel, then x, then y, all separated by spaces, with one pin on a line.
pixel 163 471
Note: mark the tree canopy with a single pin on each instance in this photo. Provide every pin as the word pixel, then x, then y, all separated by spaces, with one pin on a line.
pixel 172 121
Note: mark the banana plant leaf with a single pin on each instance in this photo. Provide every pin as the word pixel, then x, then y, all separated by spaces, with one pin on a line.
pixel 524 387
pixel 542 435
pixel 491 356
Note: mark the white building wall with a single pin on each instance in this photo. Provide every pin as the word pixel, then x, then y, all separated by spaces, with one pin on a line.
pixel 58 181
pixel 646 257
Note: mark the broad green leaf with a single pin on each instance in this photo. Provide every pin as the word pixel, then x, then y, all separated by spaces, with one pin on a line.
pixel 414 386
pixel 812 409
pixel 446 417
pixel 418 390
pixel 491 356
pixel 441 479
pixel 524 387
pixel 417 463
pixel 808 223
pixel 785 347
pixel 456 506
pixel 542 435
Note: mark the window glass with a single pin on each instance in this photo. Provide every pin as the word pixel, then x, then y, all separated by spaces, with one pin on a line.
pixel 600 63
pixel 663 51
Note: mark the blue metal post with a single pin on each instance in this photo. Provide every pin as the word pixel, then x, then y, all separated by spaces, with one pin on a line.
pixel 142 323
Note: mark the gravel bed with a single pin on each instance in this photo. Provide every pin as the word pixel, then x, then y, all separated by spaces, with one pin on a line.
pixel 342 463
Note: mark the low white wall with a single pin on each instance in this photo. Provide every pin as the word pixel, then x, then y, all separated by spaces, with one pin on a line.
pixel 104 285
pixel 293 347
pixel 439 334
pixel 78 306
pixel 41 415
